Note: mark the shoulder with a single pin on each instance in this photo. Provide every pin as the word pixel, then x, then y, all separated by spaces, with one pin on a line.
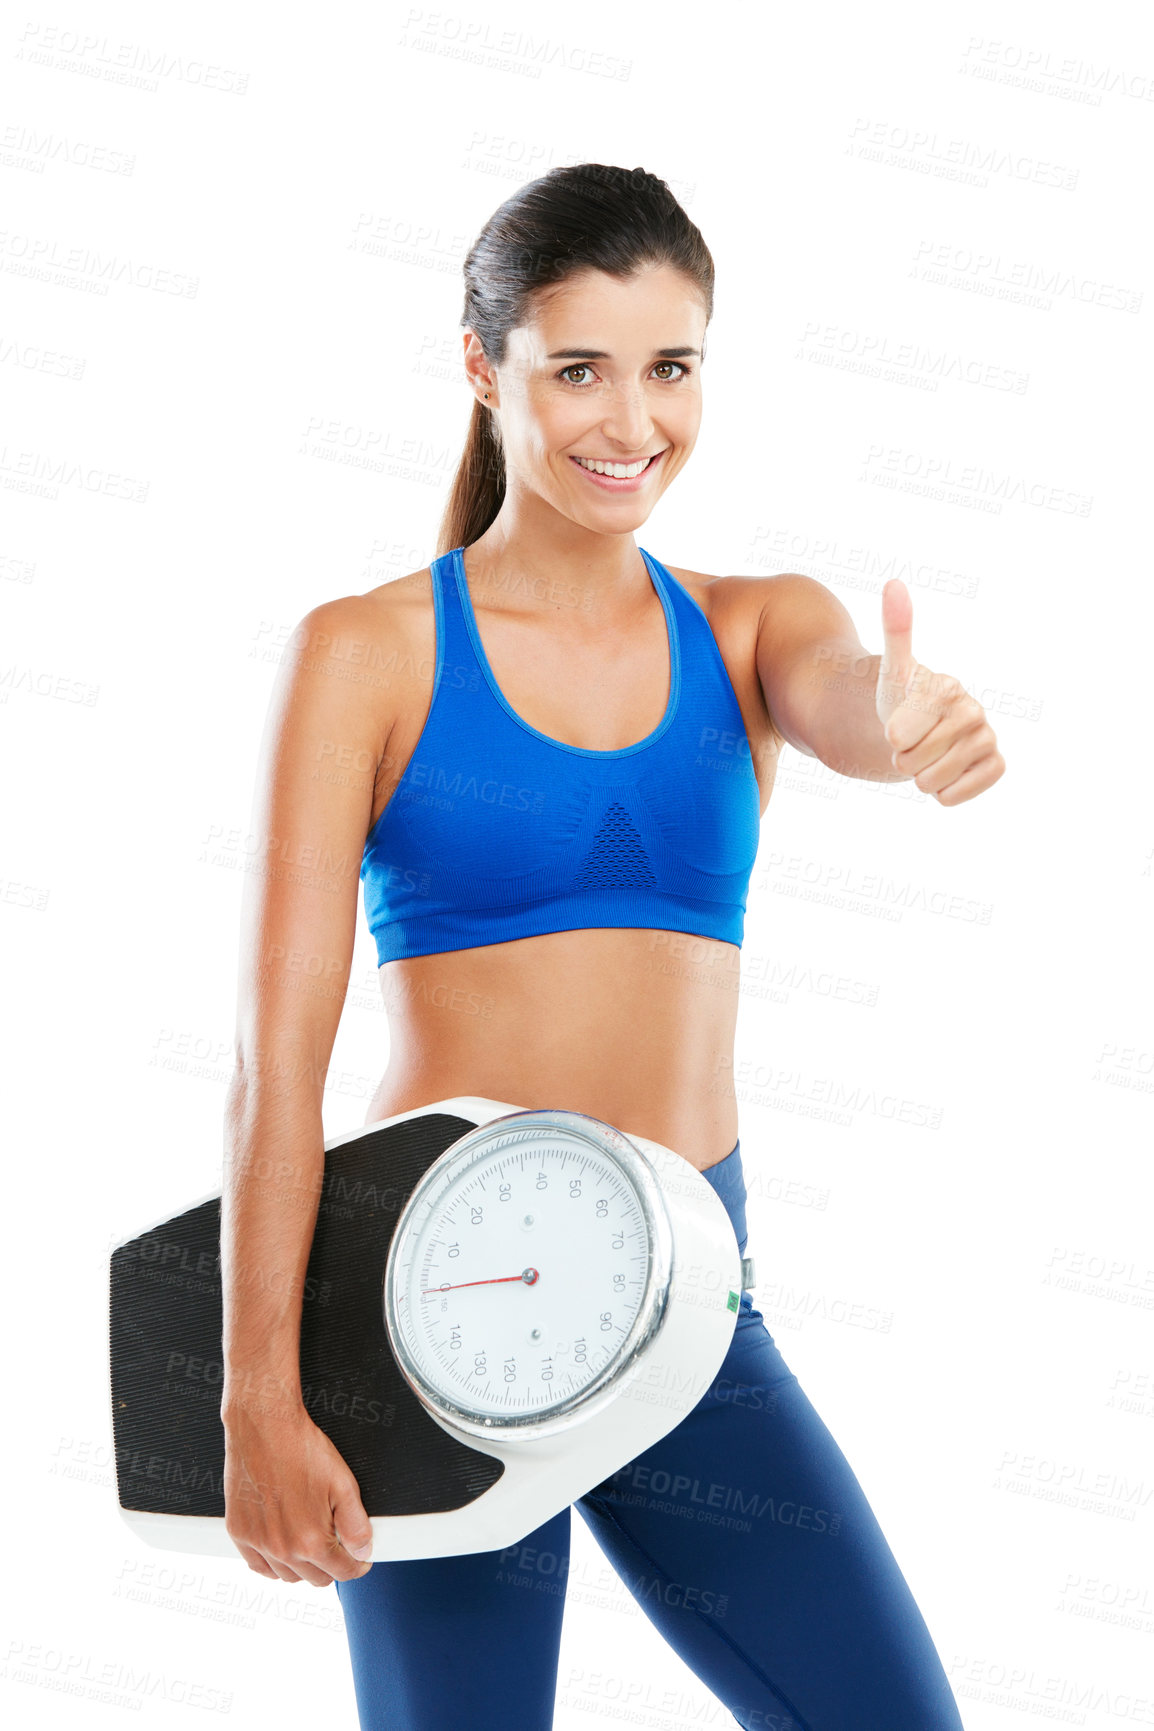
pixel 766 629
pixel 401 594
pixel 779 602
pixel 345 654
pixel 370 625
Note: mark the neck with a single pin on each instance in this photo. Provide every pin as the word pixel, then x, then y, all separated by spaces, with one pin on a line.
pixel 532 559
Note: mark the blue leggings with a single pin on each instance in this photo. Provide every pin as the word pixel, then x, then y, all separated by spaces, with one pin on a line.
pixel 744 1537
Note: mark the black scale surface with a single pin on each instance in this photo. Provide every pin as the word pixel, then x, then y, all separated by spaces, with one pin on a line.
pixel 165 1329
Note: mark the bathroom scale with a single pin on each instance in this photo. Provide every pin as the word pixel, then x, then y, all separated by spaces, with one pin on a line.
pixel 501 1307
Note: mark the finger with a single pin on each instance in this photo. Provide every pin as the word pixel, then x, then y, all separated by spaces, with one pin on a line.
pixel 352 1524
pixel 954 729
pixel 933 704
pixel 260 1564
pixel 255 1561
pixel 284 1573
pixel 313 1574
pixel 344 1566
pixel 898 661
pixel 328 1561
pixel 952 762
pixel 911 726
pixel 976 780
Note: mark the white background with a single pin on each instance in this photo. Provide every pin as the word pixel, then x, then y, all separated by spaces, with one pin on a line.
pixel 945 1048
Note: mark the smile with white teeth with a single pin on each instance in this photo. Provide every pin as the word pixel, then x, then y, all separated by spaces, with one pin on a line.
pixel 616 471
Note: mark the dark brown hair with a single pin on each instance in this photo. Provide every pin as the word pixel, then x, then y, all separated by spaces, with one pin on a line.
pixel 586 216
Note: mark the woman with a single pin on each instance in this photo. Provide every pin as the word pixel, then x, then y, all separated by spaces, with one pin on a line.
pixel 549 754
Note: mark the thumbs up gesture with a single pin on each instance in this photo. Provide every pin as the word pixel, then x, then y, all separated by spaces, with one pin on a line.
pixel 939 733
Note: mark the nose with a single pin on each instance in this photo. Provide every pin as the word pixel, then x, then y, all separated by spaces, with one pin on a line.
pixel 628 422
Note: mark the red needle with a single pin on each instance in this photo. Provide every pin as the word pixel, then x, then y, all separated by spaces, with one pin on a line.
pixel 501 1278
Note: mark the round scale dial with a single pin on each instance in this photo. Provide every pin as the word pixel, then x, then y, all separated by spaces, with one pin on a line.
pixel 528 1267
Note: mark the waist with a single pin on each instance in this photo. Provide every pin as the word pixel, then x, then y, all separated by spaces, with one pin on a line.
pixel 596 989
pixel 634 1027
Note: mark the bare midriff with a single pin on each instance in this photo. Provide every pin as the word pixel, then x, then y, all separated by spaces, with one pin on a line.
pixel 635 1027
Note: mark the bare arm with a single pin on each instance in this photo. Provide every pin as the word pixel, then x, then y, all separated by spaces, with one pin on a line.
pixel 324 737
pixel 819 681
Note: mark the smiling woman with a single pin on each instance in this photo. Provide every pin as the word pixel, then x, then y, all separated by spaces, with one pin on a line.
pixel 588 290
pixel 565 774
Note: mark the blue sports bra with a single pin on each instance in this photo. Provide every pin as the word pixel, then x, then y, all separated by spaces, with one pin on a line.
pixel 496 831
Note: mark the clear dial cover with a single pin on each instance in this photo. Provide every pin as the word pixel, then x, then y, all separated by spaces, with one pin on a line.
pixel 521 1276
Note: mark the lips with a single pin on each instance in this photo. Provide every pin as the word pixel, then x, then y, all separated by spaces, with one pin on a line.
pixel 619 484
pixel 586 462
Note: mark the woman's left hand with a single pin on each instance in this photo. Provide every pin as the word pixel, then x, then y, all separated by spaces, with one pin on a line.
pixel 939 733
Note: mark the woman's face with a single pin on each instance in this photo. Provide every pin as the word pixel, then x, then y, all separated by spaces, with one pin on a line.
pixel 605 370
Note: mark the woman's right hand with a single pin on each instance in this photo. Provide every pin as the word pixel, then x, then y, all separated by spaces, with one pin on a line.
pixel 293 1507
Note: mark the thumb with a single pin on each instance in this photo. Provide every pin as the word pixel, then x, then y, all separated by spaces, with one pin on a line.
pixel 897 663
pixel 352 1524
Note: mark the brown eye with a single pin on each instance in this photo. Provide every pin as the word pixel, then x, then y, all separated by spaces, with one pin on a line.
pixel 683 372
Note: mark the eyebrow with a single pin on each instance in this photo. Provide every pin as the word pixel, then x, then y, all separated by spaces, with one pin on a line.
pixel 604 355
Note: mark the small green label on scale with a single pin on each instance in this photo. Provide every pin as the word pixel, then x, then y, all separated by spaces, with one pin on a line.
pixel 734 1302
